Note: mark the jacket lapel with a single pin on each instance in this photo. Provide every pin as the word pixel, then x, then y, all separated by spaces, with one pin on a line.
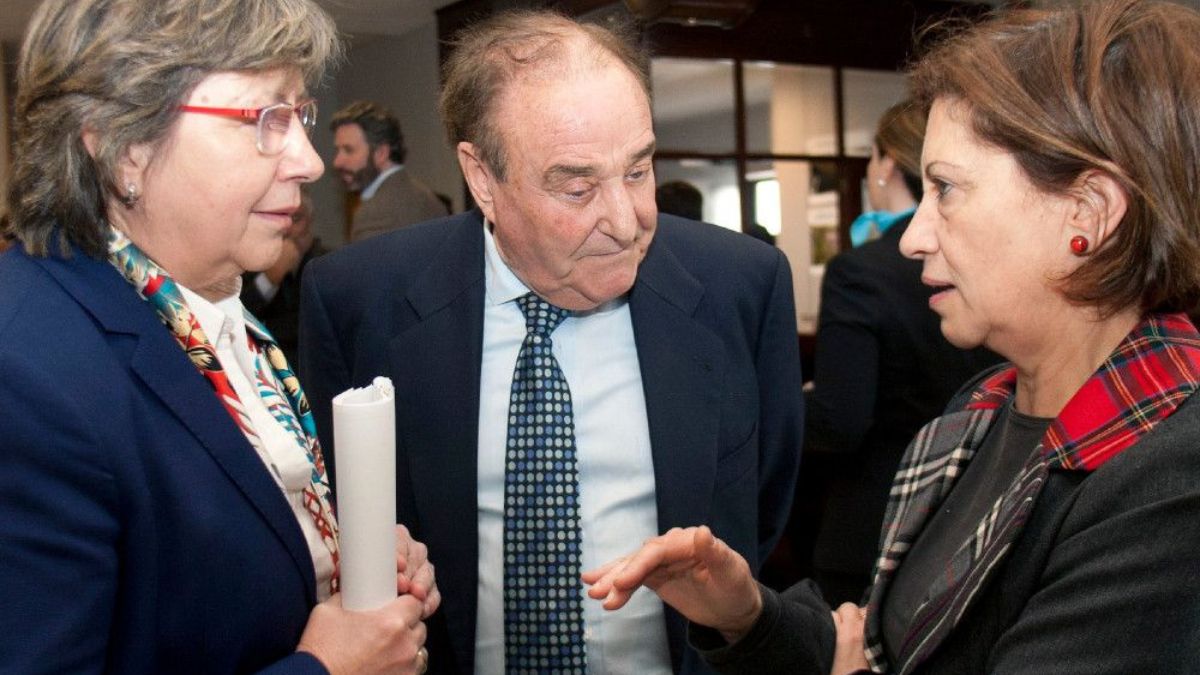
pixel 438 355
pixel 160 363
pixel 682 364
pixel 934 461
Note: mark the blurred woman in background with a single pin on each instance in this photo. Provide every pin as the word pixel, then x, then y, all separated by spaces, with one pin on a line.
pixel 882 367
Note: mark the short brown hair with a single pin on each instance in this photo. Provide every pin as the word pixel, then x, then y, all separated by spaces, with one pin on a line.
pixel 504 47
pixel 901 135
pixel 1110 86
pixel 120 68
pixel 378 124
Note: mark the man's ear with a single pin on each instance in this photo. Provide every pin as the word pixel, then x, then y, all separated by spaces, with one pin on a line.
pixel 1100 206
pixel 479 178
pixel 381 155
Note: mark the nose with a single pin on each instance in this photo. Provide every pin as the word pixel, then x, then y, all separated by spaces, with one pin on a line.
pixel 618 217
pixel 919 239
pixel 300 159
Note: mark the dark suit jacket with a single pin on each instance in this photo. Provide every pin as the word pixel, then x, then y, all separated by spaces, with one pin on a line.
pixel 400 200
pixel 281 314
pixel 714 324
pixel 1100 579
pixel 141 532
pixel 882 370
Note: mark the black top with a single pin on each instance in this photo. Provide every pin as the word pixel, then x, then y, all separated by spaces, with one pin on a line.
pixel 1004 451
pixel 883 370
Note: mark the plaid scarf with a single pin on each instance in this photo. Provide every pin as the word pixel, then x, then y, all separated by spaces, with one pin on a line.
pixel 276 384
pixel 1154 369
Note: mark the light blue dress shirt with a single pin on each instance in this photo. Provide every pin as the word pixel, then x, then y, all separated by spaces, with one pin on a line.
pixel 371 189
pixel 598 357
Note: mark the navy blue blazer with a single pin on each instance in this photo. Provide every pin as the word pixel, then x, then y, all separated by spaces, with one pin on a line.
pixel 714 324
pixel 140 531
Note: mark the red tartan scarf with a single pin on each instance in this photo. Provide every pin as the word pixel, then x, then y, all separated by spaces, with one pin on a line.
pixel 1147 377
pixel 1154 369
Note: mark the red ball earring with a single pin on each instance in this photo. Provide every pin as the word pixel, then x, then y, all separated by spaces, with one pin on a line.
pixel 1079 244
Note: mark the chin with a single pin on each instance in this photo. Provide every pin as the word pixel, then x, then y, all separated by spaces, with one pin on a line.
pixel 960 338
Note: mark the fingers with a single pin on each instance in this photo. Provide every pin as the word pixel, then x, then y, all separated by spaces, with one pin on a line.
pixel 600 579
pixel 414 573
pixel 592 576
pixel 659 553
pixel 432 602
pixel 849 621
pixel 423 581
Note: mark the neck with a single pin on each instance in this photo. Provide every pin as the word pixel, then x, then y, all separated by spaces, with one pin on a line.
pixel 897 198
pixel 1047 378
pixel 206 283
pixel 218 290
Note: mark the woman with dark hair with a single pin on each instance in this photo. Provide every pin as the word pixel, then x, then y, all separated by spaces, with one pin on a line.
pixel 1049 521
pixel 165 503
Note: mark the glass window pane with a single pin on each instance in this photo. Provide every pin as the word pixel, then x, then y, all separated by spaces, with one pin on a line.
pixel 693 104
pixel 804 197
pixel 717 182
pixel 867 93
pixel 789 109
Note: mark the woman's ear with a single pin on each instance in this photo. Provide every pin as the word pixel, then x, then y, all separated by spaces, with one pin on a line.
pixel 887 167
pixel 1100 206
pixel 479 178
pixel 131 167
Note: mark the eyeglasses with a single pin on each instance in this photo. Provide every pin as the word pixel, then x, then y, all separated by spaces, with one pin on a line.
pixel 273 121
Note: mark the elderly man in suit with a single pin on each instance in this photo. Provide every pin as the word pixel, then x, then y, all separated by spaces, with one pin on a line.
pixel 369 159
pixel 574 372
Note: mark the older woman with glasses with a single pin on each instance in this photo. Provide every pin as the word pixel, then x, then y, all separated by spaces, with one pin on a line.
pixel 1049 521
pixel 165 506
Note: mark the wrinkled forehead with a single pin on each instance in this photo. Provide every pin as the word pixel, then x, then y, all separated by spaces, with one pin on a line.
pixel 582 97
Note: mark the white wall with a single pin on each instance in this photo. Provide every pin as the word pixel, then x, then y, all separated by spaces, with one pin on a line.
pixel 402 74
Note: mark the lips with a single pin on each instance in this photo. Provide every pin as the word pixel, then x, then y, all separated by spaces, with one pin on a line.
pixel 937 289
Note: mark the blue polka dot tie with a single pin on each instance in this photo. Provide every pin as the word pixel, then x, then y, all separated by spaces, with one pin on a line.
pixel 543 602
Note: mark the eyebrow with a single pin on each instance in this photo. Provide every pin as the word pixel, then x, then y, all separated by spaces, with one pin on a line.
pixel 566 171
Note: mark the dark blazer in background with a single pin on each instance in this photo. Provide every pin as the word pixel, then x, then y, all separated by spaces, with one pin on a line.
pixel 400 200
pixel 882 370
pixel 714 324
pixel 141 532
pixel 281 314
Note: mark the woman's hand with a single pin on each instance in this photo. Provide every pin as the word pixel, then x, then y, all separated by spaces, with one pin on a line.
pixel 848 657
pixel 692 571
pixel 384 640
pixel 414 572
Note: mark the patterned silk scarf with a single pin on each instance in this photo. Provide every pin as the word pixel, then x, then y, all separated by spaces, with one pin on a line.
pixel 277 384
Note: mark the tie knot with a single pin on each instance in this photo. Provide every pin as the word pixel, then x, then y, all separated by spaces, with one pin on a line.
pixel 541 317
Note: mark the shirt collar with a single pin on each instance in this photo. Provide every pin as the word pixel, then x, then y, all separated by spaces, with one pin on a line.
pixel 371 189
pixel 221 320
pixel 502 285
pixel 1154 370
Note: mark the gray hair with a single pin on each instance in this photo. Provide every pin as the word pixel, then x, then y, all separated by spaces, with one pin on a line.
pixel 119 69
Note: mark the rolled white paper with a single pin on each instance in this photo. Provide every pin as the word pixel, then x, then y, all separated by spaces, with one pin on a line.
pixel 364 436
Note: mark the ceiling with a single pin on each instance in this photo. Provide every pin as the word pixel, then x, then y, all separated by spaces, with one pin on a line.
pixel 357 17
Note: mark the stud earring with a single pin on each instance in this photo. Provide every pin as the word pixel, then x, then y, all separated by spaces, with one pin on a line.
pixel 1079 244
pixel 131 195
pixel 880 182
